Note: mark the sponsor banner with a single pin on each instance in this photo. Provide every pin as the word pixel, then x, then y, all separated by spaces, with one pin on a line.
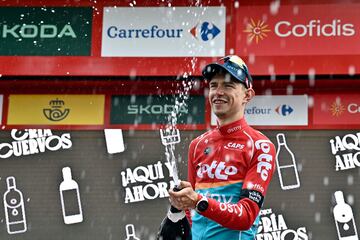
pixel 50 31
pixel 56 109
pixel 156 109
pixel 275 111
pixel 332 109
pixel 326 29
pixel 185 31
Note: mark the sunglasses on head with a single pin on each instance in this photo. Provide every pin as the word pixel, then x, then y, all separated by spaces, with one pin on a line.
pixel 237 62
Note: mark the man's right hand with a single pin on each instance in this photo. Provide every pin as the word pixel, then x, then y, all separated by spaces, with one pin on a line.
pixel 184 199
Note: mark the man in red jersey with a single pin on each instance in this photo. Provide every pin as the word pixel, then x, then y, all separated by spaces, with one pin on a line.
pixel 229 167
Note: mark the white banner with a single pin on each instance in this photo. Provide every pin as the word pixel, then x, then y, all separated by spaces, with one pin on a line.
pixel 163 32
pixel 275 111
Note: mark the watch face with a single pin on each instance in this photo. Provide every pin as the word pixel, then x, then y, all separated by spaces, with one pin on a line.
pixel 202 205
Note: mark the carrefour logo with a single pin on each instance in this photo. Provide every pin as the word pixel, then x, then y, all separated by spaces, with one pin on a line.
pixel 153 31
pixel 206 30
pixel 259 29
pixel 284 110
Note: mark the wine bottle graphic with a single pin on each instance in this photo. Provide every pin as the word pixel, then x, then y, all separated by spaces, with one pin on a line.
pixel 344 219
pixel 70 198
pixel 130 232
pixel 14 208
pixel 286 165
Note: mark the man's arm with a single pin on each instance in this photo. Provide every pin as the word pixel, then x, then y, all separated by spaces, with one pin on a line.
pixel 240 215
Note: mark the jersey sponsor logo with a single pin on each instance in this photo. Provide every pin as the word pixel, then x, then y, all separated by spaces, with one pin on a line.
pixel 218 197
pixel 217 170
pixel 234 129
pixel 256 186
pixel 235 146
pixel 232 208
pixel 264 165
pixel 207 151
pixel 253 195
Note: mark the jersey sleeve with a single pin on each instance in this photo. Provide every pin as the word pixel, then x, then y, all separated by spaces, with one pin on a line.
pixel 191 168
pixel 241 215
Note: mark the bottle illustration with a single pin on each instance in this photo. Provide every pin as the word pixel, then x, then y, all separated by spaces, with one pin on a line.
pixel 130 232
pixel 14 208
pixel 344 219
pixel 70 198
pixel 286 165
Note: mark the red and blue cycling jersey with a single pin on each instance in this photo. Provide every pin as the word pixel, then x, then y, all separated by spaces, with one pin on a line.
pixel 232 166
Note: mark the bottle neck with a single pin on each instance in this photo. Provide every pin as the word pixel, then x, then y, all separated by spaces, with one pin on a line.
pixel 11 184
pixel 66 171
pixel 339 197
pixel 281 139
pixel 175 217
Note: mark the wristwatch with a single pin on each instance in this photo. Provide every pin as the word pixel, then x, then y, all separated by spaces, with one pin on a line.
pixel 202 204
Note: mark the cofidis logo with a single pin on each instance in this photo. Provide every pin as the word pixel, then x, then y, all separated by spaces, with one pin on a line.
pixel 259 29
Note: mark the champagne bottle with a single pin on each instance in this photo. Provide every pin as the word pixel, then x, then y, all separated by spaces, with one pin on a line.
pixel 286 165
pixel 175 225
pixel 344 219
pixel 14 208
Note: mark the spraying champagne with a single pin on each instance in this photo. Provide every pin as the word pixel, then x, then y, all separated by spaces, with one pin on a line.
pixel 175 225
